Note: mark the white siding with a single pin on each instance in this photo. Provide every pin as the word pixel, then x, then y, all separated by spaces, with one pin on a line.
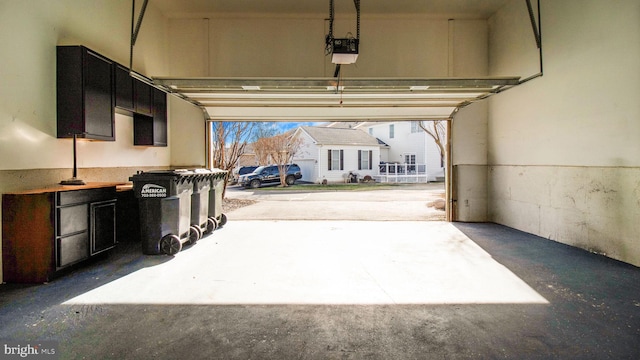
pixel 406 142
pixel 350 162
pixel 307 158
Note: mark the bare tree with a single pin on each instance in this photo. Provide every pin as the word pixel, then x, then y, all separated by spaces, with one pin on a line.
pixel 262 149
pixel 228 144
pixel 437 129
pixel 262 131
pixel 278 149
pixel 286 146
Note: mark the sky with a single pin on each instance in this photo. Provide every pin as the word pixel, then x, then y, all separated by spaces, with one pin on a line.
pixel 285 126
pixel 277 128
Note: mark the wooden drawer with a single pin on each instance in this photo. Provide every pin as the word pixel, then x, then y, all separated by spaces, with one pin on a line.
pixel 73 219
pixel 72 249
pixel 85 196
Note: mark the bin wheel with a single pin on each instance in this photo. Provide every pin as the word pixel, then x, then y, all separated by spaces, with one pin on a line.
pixel 195 233
pixel 212 224
pixel 170 244
pixel 255 183
pixel 223 220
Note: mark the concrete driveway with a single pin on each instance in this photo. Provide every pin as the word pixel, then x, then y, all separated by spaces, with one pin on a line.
pixel 409 202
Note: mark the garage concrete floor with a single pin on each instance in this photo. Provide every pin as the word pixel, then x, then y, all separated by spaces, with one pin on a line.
pixel 318 289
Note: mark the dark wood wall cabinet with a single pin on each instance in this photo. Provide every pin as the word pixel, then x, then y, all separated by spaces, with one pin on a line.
pixel 85 101
pixel 47 231
pixel 152 130
pixel 91 88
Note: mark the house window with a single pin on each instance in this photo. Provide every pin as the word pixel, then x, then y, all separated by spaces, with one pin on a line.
pixel 391 131
pixel 371 131
pixel 415 127
pixel 336 160
pixel 365 158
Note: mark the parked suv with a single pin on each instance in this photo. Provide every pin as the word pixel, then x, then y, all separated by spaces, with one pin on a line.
pixel 270 175
pixel 243 170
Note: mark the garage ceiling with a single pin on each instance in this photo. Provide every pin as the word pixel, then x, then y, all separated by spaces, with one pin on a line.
pixel 460 8
pixel 335 99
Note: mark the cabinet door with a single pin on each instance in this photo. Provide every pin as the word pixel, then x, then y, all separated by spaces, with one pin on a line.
pixel 124 88
pixel 98 97
pixel 142 130
pixel 103 226
pixel 142 97
pixel 85 100
pixel 159 118
pixel 152 130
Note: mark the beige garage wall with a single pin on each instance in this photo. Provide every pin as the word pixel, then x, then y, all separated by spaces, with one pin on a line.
pixel 563 149
pixel 469 157
pixel 30 154
pixel 469 57
pixel 293 46
pixel 29 33
pixel 187 130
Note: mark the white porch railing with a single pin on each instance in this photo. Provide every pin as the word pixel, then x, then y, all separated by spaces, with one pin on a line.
pixel 402 173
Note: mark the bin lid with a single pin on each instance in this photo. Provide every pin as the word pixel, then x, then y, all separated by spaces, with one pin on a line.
pixel 218 173
pixel 161 174
pixel 213 173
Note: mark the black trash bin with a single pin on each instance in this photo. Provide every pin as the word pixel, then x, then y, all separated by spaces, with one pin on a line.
pixel 164 199
pixel 215 198
pixel 200 202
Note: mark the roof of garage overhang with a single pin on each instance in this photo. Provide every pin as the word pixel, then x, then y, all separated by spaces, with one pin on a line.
pixel 333 99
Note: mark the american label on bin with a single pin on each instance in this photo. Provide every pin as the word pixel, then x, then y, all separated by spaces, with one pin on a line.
pixel 153 191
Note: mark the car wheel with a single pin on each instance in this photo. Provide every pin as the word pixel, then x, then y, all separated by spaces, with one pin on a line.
pixel 255 183
pixel 290 180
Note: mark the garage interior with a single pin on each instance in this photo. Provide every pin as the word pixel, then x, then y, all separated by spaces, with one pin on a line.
pixel 541 98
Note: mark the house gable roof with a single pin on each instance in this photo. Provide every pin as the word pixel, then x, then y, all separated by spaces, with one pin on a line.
pixel 339 136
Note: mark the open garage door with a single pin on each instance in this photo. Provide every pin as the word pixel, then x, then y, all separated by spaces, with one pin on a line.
pixel 331 99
